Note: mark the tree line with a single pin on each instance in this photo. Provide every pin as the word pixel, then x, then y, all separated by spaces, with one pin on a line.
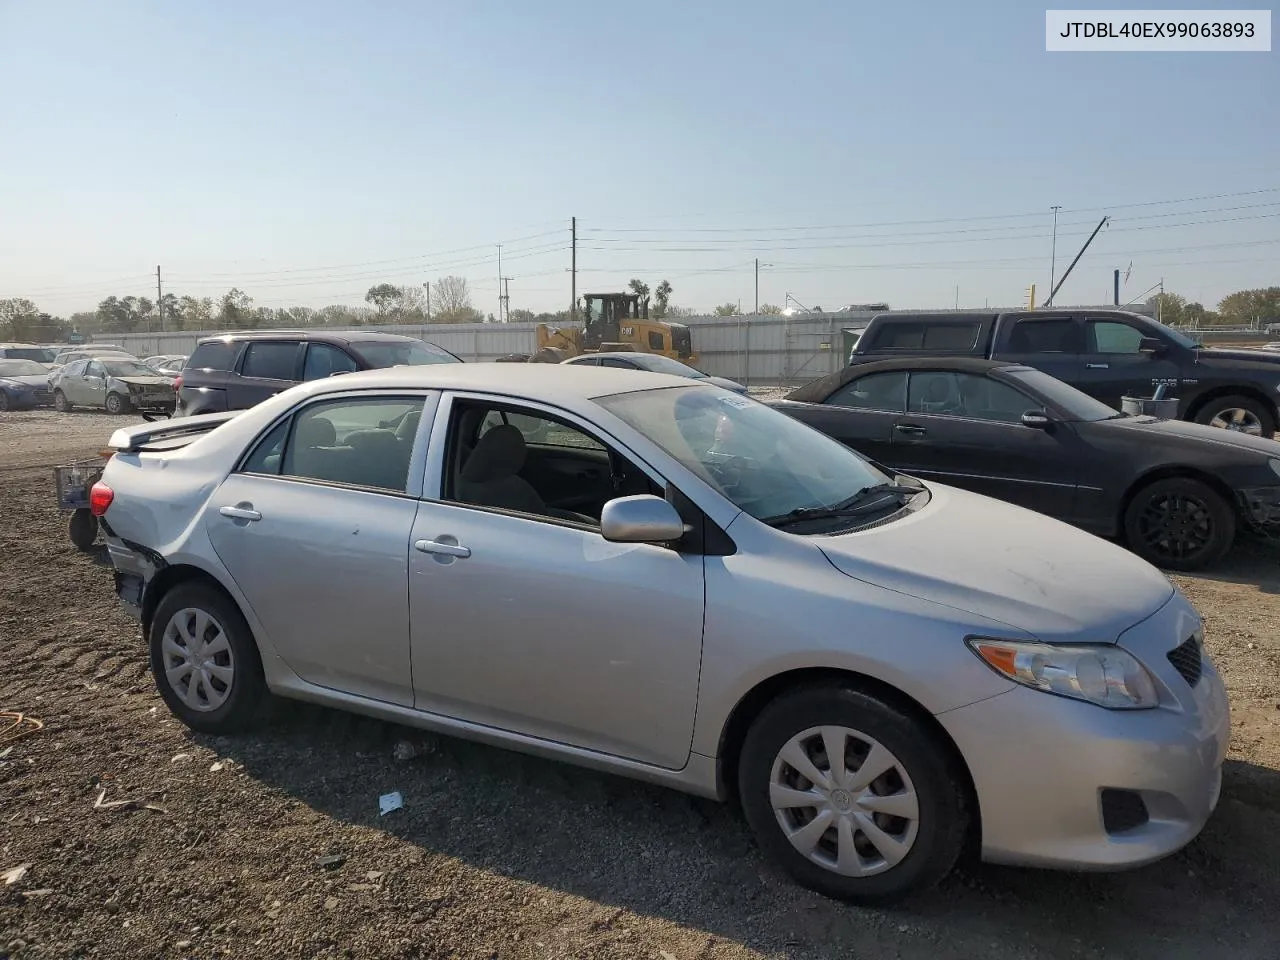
pixel 1235 309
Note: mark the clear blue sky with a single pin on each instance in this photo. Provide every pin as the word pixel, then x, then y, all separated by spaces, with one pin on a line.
pixel 304 151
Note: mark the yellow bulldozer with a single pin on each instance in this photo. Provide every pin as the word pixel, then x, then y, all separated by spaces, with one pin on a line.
pixel 614 322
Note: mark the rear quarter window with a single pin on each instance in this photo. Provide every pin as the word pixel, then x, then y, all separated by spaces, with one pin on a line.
pixel 927 336
pixel 216 355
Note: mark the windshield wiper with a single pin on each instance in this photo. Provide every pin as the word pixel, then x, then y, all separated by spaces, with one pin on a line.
pixel 868 500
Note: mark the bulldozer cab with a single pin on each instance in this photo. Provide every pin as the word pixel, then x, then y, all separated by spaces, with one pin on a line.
pixel 605 317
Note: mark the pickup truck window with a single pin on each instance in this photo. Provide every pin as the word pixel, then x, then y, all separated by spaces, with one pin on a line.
pixel 880 391
pixel 1059 335
pixel 1110 336
pixel 927 336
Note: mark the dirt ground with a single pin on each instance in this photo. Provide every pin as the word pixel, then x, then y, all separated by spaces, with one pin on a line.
pixel 496 855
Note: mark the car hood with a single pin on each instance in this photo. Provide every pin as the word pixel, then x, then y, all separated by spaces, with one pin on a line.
pixel 1222 356
pixel 1152 428
pixel 141 381
pixel 1007 564
pixel 31 380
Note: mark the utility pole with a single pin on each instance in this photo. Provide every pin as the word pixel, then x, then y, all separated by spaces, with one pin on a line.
pixel 757 310
pixel 957 296
pixel 1054 292
pixel 159 298
pixel 427 287
pixel 573 270
pixel 1053 252
pixel 1160 303
pixel 505 307
pixel 499 283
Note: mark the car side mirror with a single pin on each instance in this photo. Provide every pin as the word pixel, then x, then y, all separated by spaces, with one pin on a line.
pixel 1152 345
pixel 1036 419
pixel 640 519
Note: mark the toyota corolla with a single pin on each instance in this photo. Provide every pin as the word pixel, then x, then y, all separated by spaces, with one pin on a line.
pixel 670 581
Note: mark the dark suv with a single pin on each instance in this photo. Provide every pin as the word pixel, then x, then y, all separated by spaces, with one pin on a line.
pixel 235 371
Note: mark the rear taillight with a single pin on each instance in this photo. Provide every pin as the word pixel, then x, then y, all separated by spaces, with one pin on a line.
pixel 177 383
pixel 100 497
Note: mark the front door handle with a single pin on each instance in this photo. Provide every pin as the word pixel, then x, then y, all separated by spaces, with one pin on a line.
pixel 909 428
pixel 240 513
pixel 442 549
pixel 1098 366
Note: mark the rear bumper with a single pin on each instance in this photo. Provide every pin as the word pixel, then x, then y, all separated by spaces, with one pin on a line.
pixel 135 569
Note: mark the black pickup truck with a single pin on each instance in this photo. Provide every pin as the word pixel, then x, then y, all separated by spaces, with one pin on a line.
pixel 1107 354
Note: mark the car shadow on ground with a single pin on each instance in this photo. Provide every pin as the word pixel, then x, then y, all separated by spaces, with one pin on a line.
pixel 658 852
pixel 1253 562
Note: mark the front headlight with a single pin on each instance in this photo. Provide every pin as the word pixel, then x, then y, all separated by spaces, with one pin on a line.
pixel 1096 673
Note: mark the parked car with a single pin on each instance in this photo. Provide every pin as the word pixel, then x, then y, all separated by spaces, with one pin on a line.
pixel 84 353
pixel 170 364
pixel 237 370
pixel 41 354
pixel 1108 354
pixel 113 383
pixel 24 384
pixel 680 584
pixel 653 362
pixel 1175 492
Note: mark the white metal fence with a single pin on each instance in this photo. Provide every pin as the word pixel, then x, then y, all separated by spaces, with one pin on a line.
pixel 751 349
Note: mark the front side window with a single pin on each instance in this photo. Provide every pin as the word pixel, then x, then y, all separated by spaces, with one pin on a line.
pixel 364 442
pixel 268 360
pixel 879 391
pixel 759 459
pixel 1108 336
pixel 947 393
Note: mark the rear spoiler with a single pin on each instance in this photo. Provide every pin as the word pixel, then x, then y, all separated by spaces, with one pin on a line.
pixel 136 439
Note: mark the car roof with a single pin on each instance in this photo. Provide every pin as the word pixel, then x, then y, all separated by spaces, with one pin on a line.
pixel 818 390
pixel 321 336
pixel 551 382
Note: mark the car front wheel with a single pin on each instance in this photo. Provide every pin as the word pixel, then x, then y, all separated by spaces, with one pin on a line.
pixel 854 798
pixel 205 660
pixel 1179 523
pixel 117 404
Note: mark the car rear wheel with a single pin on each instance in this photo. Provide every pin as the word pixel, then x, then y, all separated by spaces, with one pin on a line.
pixel 60 402
pixel 118 404
pixel 851 796
pixel 1241 414
pixel 1180 524
pixel 205 660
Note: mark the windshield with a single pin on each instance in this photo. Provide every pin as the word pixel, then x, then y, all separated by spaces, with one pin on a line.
pixel 39 354
pixel 1177 336
pixel 761 460
pixel 21 368
pixel 127 368
pixel 401 353
pixel 660 364
pixel 1072 402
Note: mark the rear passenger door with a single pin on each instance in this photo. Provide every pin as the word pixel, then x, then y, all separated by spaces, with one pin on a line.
pixel 1052 344
pixel 266 368
pixel 313 527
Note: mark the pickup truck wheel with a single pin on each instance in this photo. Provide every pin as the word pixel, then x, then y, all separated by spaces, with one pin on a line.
pixel 1180 524
pixel 205 660
pixel 1242 414
pixel 851 796
pixel 117 404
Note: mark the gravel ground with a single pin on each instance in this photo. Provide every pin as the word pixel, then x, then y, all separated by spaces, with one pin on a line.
pixel 495 854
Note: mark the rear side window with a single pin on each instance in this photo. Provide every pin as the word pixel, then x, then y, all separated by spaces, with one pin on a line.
pixel 214 355
pixel 1045 336
pixel 270 360
pixel 928 336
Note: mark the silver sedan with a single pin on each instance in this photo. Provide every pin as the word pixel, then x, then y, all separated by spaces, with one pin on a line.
pixel 670 581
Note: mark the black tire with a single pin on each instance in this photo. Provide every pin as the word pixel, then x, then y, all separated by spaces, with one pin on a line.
pixel 1180 524
pixel 83 529
pixel 943 818
pixel 1263 413
pixel 117 404
pixel 60 402
pixel 4 402
pixel 247 690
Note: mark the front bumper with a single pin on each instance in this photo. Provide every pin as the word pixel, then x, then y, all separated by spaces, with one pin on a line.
pixel 1260 508
pixel 1041 763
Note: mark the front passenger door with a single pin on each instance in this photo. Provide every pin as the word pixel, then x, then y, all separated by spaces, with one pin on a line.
pixel 1115 368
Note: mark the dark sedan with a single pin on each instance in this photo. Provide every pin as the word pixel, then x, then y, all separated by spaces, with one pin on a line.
pixel 1176 492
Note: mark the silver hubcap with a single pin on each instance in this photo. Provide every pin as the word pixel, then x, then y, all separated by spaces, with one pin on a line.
pixel 1239 420
pixel 844 801
pixel 198 663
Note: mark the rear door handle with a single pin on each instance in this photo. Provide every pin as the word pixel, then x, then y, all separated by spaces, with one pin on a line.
pixel 1098 366
pixel 443 549
pixel 240 513
pixel 909 428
